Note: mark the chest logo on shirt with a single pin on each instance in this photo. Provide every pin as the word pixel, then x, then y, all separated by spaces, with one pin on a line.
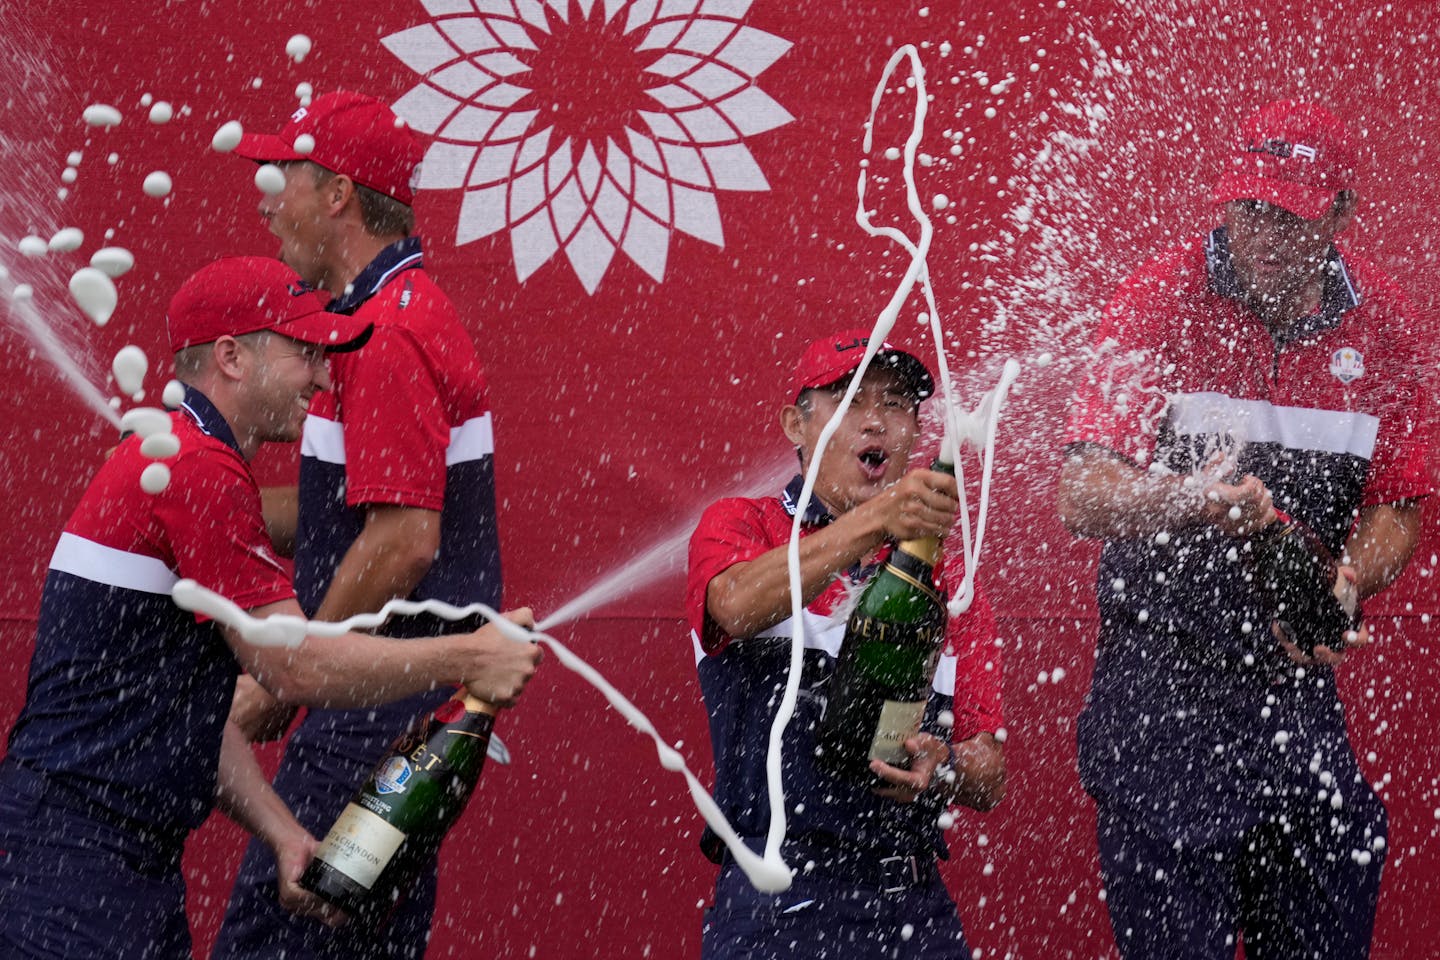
pixel 1348 364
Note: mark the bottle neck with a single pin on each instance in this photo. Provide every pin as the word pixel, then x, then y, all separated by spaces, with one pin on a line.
pixel 474 704
pixel 927 549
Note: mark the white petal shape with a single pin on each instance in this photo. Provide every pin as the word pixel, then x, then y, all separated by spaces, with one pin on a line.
pixel 588 171
pixel 662 35
pixel 754 111
pixel 461 79
pixel 677 8
pixel 653 194
pixel 674 65
pixel 612 208
pixel 731 9
pixel 471 125
pixel 425 108
pixel 440 8
pixel 643 149
pixel 705 36
pixel 707 125
pixel 515 125
pixel 673 96
pixel 533 149
pixel 685 165
pixel 641 13
pixel 511 35
pixel 714 80
pixel 663 125
pixel 533 13
pixel 647 243
pixel 527 192
pixel 446 166
pixel 494 164
pixel 532 242
pixel 471 34
pixel 590 253
pixel 501 64
pixel 482 212
pixel 734 168
pixel 567 208
pixel 502 95
pixel 421 48
pixel 697 214
pixel 753 51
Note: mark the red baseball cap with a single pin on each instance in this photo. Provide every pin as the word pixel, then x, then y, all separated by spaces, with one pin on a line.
pixel 353 134
pixel 828 360
pixel 1294 155
pixel 240 295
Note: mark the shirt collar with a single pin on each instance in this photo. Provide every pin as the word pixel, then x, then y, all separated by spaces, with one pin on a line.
pixel 400 255
pixel 1338 295
pixel 815 513
pixel 210 421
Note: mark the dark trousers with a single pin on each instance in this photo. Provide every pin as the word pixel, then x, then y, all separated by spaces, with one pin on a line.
pixel 1296 890
pixel 74 883
pixel 843 905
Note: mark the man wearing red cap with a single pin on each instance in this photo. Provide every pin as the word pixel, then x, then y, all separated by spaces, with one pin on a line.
pixel 867 884
pixel 1255 385
pixel 114 757
pixel 396 461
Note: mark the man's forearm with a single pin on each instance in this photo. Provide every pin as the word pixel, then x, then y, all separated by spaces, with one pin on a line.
pixel 1105 498
pixel 244 795
pixel 1381 544
pixel 387 561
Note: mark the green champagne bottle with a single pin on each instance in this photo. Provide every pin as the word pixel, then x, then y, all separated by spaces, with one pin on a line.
pixel 883 676
pixel 411 799
pixel 1296 572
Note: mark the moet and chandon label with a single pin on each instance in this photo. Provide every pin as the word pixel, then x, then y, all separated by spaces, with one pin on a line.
pixel 360 845
pixel 899 721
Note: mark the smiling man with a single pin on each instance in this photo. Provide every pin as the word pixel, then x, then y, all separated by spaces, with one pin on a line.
pixel 1262 369
pixel 867 857
pixel 396 497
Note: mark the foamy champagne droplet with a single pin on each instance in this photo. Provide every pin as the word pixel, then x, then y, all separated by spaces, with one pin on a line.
pixel 304 144
pixel 160 446
pixel 155 478
pixel 101 115
pixel 173 395
pixel 297 47
pixel 270 179
pixel 161 112
pixel 227 138
pixel 95 293
pixel 67 239
pixel 145 421
pixel 129 367
pixel 112 261
pixel 32 246
pixel 157 184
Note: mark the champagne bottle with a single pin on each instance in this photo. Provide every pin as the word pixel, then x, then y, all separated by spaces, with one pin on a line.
pixel 893 639
pixel 1296 573
pixel 411 799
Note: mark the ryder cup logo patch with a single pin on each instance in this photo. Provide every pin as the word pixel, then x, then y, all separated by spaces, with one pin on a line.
pixel 1347 364
pixel 392 776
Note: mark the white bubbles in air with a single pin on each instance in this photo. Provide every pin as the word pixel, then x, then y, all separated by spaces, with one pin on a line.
pixel 32 246
pixel 112 261
pixel 67 239
pixel 157 184
pixel 304 144
pixel 155 478
pixel 270 179
pixel 129 367
pixel 160 446
pixel 174 394
pixel 101 115
pixel 227 138
pixel 297 48
pixel 161 112
pixel 145 421
pixel 95 294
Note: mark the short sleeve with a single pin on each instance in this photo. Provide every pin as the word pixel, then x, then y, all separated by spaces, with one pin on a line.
pixel 396 428
pixel 730 532
pixel 210 516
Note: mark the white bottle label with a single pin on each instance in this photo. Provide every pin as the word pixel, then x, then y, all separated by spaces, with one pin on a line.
pixel 899 721
pixel 360 845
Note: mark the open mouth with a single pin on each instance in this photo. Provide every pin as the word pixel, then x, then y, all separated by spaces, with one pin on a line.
pixel 872 462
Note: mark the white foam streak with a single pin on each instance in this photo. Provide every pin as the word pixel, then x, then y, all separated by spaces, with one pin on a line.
pixel 768 874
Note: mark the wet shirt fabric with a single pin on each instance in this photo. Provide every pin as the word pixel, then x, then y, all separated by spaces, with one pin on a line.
pixel 1196 718
pixel 113 759
pixel 406 422
pixel 743 681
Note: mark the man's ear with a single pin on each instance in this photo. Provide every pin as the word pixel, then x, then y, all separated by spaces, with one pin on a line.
pixel 792 421
pixel 338 192
pixel 229 358
pixel 1342 211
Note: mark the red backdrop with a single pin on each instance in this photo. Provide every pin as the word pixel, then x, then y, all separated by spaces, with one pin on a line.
pixel 1071 140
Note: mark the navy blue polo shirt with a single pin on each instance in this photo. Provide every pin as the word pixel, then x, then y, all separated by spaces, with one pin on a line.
pixel 406 422
pixel 743 681
pixel 1196 717
pixel 127 693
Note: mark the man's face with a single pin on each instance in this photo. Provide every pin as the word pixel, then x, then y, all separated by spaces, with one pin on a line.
pixel 871 448
pixel 299 216
pixel 1276 252
pixel 284 375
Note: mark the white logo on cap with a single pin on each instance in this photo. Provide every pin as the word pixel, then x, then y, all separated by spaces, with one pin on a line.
pixel 1303 150
pixel 300 114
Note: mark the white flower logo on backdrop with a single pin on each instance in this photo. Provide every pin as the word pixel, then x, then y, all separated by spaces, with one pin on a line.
pixel 537 109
